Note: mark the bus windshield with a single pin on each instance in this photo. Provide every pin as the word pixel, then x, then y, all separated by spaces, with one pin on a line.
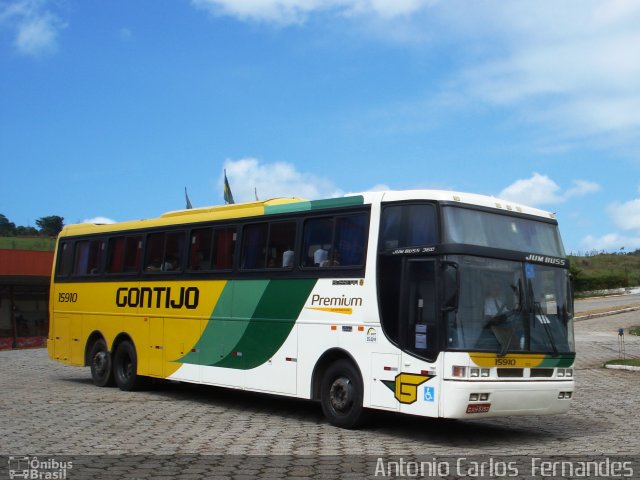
pixel 506 306
pixel 485 229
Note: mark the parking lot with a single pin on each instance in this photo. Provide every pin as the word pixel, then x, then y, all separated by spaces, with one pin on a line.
pixel 53 411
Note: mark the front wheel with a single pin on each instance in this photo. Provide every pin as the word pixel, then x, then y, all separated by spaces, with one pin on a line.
pixel 125 367
pixel 341 394
pixel 100 363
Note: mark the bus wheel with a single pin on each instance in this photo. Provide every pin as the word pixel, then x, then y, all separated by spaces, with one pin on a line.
pixel 341 395
pixel 100 358
pixel 125 367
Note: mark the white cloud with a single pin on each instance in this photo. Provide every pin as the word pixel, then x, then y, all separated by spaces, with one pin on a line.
pixel 626 216
pixel 35 26
pixel 99 220
pixel 272 180
pixel 287 12
pixel 541 190
pixel 573 65
pixel 611 242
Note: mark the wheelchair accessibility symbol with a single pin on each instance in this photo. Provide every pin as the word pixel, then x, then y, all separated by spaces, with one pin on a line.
pixel 429 394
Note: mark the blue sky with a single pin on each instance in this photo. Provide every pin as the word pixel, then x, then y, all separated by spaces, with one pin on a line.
pixel 110 109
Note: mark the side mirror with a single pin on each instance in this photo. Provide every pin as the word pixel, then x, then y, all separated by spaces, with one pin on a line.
pixel 450 286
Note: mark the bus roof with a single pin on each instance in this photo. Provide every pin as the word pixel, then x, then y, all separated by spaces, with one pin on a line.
pixel 293 204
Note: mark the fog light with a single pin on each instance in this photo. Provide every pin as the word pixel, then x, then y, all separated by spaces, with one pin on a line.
pixel 485 372
pixel 474 372
pixel 459 372
pixel 484 397
pixel 560 372
pixel 473 397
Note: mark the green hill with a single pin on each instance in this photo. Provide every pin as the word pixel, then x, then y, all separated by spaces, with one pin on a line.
pixel 28 243
pixel 606 271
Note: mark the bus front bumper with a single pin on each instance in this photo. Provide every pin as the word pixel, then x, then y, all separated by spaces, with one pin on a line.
pixel 470 399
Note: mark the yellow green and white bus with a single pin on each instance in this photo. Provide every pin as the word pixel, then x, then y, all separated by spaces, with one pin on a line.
pixel 431 303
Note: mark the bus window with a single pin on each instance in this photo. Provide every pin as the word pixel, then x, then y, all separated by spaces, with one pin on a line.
pixel 281 242
pixel 123 254
pixel 65 259
pixel 224 247
pixel 164 252
pixel 87 257
pixel 350 240
pixel 408 226
pixel 254 246
pixel 318 235
pixel 200 250
pixel 338 241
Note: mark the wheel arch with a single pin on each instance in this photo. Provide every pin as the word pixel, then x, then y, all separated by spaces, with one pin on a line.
pixel 323 363
pixel 91 340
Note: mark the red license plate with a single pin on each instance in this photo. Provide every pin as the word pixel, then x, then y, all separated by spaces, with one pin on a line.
pixel 478 408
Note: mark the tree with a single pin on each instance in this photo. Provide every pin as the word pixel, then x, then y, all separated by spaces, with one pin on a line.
pixel 26 231
pixel 51 225
pixel 7 228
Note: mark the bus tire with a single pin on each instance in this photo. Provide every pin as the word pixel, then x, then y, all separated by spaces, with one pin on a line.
pixel 341 394
pixel 125 367
pixel 101 365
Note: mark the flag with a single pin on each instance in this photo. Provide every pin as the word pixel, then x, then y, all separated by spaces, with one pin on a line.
pixel 228 196
pixel 186 196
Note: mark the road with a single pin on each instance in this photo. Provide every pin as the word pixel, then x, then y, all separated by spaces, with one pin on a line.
pixel 53 411
pixel 604 303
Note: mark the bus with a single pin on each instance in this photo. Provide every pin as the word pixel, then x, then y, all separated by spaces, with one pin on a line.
pixel 430 303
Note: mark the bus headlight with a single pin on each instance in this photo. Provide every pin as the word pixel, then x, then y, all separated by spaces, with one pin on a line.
pixel 474 372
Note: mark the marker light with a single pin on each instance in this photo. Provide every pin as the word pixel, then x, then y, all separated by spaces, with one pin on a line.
pixel 459 372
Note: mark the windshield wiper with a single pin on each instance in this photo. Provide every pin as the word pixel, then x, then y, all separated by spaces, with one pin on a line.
pixel 544 320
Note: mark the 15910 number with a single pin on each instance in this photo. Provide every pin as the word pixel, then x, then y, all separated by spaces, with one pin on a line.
pixel 67 297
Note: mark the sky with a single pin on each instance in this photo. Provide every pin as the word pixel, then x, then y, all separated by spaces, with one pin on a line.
pixel 109 110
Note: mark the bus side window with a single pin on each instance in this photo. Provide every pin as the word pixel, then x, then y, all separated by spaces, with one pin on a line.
pixel 282 236
pixel 318 235
pixel 200 249
pixel 87 257
pixel 65 259
pixel 254 245
pixel 123 254
pixel 224 247
pixel 350 240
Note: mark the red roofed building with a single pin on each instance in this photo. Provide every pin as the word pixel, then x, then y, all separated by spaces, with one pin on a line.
pixel 24 297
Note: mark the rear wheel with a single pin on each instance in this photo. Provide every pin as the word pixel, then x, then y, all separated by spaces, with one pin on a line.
pixel 125 367
pixel 100 363
pixel 341 394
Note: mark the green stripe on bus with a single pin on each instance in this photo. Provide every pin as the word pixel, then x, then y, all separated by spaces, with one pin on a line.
pixel 228 322
pixel 314 205
pixel 250 322
pixel 560 361
pixel 272 322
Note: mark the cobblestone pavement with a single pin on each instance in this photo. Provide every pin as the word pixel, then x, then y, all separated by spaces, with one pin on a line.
pixel 52 409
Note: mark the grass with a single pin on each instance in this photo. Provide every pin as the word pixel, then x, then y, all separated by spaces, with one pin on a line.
pixel 28 243
pixel 634 331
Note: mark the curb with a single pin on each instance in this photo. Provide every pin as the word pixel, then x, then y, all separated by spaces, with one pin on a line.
pixel 623 367
pixel 606 314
